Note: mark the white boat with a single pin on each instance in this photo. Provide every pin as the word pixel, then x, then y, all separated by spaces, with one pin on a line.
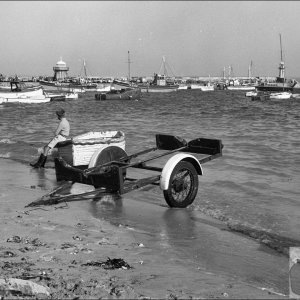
pixel 182 86
pixel 281 96
pixel 160 82
pixel 251 93
pixel 207 88
pixel 24 99
pixel 71 95
pixel 240 88
pixel 103 88
pixel 195 86
pixel 20 93
pixel 202 87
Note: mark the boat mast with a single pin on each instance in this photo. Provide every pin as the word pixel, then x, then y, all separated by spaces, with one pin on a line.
pixel 250 70
pixel 84 69
pixel 84 66
pixel 164 62
pixel 129 62
pixel 281 65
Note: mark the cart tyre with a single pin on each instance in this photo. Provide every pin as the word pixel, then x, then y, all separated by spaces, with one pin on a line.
pixel 110 153
pixel 182 190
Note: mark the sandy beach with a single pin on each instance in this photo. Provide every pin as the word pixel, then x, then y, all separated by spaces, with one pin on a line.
pixel 70 254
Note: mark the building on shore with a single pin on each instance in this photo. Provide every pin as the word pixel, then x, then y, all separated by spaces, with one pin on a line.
pixel 60 71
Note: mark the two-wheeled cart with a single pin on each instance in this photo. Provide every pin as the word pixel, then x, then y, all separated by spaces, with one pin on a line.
pixel 178 178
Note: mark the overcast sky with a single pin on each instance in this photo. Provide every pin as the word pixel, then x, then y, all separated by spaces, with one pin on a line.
pixel 196 37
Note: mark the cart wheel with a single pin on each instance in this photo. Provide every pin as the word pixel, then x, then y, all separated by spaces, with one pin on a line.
pixel 110 153
pixel 183 185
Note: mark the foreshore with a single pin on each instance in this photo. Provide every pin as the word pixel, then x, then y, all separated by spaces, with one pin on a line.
pixel 70 254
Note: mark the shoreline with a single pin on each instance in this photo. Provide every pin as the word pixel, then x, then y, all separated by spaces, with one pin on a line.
pixel 64 249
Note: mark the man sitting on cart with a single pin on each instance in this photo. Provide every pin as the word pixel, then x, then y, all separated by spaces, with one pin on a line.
pixel 61 134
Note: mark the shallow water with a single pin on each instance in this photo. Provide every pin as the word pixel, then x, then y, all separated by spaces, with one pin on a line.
pixel 256 181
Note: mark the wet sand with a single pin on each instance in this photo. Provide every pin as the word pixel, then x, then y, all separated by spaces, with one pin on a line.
pixel 66 247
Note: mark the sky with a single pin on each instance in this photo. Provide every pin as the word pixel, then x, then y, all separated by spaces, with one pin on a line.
pixel 196 38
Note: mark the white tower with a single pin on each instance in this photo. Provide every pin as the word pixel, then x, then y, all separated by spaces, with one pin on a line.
pixel 60 71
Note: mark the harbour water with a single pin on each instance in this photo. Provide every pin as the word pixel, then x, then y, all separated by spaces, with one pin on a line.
pixel 254 186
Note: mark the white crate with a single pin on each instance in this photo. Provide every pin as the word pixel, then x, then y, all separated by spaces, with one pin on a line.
pixel 82 147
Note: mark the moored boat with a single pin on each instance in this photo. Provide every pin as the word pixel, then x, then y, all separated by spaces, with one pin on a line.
pixel 281 96
pixel 159 84
pixel 118 84
pixel 64 86
pixel 19 92
pixel 251 93
pixel 123 94
pixel 241 87
pixel 281 84
pixel 182 86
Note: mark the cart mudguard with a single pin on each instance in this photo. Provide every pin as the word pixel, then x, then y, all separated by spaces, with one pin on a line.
pixel 172 162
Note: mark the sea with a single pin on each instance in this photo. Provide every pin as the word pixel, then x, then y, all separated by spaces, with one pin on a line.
pixel 254 187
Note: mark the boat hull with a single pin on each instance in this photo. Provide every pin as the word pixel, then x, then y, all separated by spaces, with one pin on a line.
pixel 276 87
pixel 64 86
pixel 30 100
pixel 241 88
pixel 159 88
pixel 131 94
pixel 203 88
pixel 29 92
pixel 23 95
pixel 281 96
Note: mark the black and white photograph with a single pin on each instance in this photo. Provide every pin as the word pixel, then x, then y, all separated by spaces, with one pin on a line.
pixel 150 150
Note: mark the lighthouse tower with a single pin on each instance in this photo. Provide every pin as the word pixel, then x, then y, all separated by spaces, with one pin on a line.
pixel 60 71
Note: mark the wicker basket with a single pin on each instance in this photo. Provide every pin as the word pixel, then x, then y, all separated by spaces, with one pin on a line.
pixel 79 150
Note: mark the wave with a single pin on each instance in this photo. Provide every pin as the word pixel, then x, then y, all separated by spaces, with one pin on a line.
pixel 5 155
pixel 7 141
pixel 277 242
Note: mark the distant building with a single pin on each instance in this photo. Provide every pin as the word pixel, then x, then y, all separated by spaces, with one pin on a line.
pixel 60 71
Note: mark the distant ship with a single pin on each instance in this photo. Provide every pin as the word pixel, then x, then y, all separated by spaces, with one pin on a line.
pixel 281 84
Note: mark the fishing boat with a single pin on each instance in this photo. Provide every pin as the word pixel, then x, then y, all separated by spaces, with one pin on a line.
pixel 160 83
pixel 124 84
pixel 119 84
pixel 123 94
pixel 19 92
pixel 281 84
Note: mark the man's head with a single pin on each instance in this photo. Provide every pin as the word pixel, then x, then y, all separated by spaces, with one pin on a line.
pixel 60 113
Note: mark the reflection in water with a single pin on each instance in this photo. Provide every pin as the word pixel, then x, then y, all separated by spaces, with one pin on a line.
pixel 43 178
pixel 178 224
pixel 108 204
